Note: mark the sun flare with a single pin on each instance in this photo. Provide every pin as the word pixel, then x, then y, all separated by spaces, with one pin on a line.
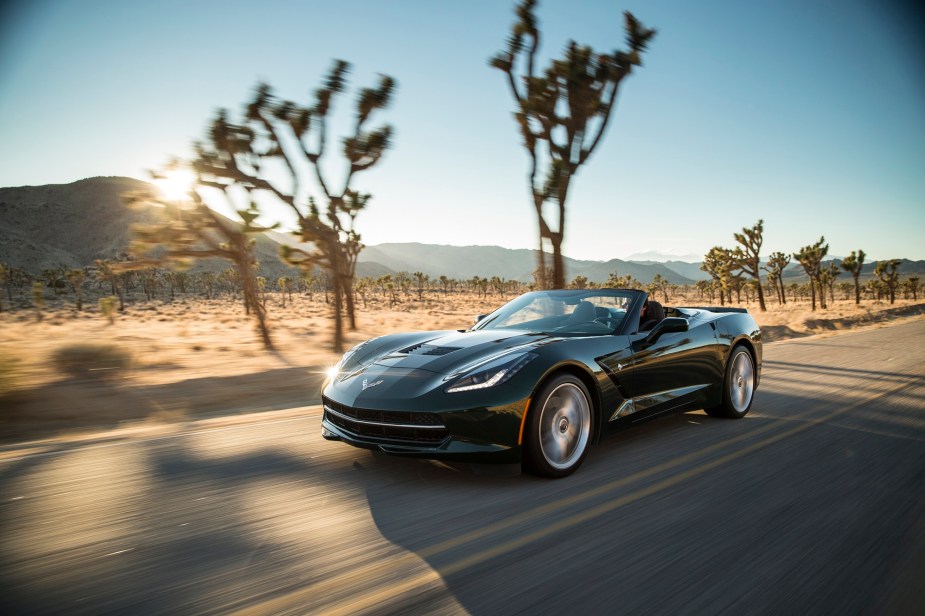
pixel 176 184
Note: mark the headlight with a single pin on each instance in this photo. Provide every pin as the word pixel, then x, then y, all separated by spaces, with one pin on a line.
pixel 493 373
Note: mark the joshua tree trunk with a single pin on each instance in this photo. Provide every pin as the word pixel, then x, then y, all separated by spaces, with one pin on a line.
pixel 338 314
pixel 558 263
pixel 252 301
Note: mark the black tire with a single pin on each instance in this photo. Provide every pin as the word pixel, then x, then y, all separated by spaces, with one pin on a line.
pixel 558 429
pixel 738 386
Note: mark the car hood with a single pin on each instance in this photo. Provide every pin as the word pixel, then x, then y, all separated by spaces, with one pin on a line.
pixel 451 352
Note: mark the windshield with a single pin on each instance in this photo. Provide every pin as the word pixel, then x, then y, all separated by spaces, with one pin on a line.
pixel 577 313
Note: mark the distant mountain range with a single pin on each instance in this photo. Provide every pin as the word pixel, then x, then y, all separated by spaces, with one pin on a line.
pixel 662 257
pixel 73 224
pixel 463 262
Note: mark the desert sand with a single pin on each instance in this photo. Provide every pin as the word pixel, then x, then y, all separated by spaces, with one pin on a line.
pixel 191 358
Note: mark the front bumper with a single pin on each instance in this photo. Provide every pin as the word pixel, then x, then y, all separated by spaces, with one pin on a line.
pixel 486 434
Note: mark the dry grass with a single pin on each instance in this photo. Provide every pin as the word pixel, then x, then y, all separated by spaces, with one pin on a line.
pixel 196 357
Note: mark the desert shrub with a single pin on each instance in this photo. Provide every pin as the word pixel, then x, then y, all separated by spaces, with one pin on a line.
pixel 8 374
pixel 91 359
pixel 108 308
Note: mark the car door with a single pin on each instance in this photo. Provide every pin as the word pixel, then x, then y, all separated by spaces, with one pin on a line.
pixel 673 372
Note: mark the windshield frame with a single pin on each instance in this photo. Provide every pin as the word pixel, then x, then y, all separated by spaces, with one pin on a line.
pixel 635 299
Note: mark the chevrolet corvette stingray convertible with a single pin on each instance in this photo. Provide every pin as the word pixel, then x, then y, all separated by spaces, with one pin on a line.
pixel 541 378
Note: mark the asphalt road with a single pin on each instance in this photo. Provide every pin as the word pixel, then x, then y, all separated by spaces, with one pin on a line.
pixel 813 504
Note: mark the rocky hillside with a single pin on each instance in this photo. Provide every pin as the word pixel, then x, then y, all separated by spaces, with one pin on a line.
pixel 65 224
pixel 72 225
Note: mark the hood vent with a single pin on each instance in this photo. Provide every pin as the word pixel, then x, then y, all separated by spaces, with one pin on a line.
pixel 428 349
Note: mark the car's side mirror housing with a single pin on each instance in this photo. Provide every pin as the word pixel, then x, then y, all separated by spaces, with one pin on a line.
pixel 669 325
pixel 479 318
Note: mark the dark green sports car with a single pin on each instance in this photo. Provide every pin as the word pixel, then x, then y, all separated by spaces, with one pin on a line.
pixel 541 378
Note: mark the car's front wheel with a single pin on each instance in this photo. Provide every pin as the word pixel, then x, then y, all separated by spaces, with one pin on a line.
pixel 738 385
pixel 558 428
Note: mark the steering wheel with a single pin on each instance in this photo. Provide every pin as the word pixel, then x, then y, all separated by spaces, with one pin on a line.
pixel 608 321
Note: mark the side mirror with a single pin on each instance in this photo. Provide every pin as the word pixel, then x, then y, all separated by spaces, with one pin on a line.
pixel 670 325
pixel 478 318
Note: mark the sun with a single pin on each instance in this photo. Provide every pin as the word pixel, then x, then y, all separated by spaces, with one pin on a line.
pixel 176 184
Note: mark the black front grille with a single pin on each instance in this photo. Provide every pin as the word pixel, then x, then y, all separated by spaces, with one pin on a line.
pixel 392 426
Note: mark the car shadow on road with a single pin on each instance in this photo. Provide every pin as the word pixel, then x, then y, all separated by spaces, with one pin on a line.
pixel 504 545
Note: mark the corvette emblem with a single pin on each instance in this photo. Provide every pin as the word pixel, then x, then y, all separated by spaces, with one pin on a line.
pixel 367 384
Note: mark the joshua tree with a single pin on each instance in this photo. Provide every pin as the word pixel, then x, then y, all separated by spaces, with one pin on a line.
pixel 703 287
pixel 746 256
pixel 827 277
pixel 445 283
pixel 16 278
pixel 853 264
pixel 616 281
pixel 150 281
pixel 297 135
pixel 660 284
pixel 55 278
pixel 106 271
pixel 810 257
pixel 579 282
pixel 209 279
pixel 875 288
pixel 718 263
pixel 736 283
pixel 108 308
pixel 888 273
pixel 76 277
pixel 912 284
pixel 284 284
pixel 277 150
pixel 562 113
pixel 497 284
pixel 181 280
pixel 401 281
pixel 777 263
pixel 361 288
pixel 231 280
pixel 38 299
pixel 189 229
pixel 178 281
pixel 846 288
pixel 421 279
pixel 773 282
pixel 541 276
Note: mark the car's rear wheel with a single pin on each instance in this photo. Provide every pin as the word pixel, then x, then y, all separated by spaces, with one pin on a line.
pixel 738 385
pixel 558 428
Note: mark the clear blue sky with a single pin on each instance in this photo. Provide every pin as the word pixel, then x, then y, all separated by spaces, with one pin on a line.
pixel 809 114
